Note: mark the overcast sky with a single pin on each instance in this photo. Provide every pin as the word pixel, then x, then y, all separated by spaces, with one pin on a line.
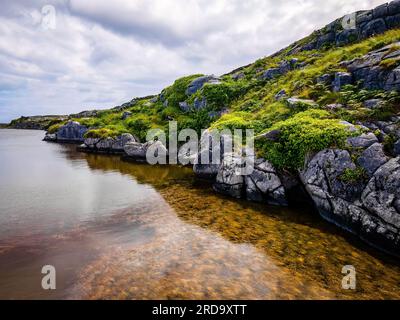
pixel 101 53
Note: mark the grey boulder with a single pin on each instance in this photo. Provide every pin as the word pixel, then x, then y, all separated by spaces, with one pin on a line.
pixel 199 82
pixel 365 140
pixel 72 131
pixel 372 158
pixel 229 179
pixel 264 185
pixel 109 144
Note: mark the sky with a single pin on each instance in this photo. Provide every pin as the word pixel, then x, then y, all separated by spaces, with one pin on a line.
pixel 65 56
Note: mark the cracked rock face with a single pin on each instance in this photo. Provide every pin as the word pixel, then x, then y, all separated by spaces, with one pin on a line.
pixel 109 144
pixel 382 194
pixel 368 23
pixel 372 158
pixel 369 72
pixel 210 155
pixel 363 141
pixel 369 209
pixel 71 132
pixel 138 151
pixel 264 185
pixel 199 82
pixel 229 180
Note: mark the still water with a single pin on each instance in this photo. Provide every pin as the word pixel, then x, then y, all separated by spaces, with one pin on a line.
pixel 119 230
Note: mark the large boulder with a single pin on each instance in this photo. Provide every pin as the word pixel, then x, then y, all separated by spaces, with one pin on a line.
pixel 211 151
pixel 229 179
pixel 365 140
pixel 264 185
pixel 381 199
pixel 138 151
pixel 72 131
pixel 109 144
pixel 368 208
pixel 199 82
pixel 369 71
pixel 372 158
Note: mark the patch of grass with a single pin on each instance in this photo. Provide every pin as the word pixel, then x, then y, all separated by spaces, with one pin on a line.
pixel 54 128
pixel 305 132
pixel 389 64
pixel 177 92
pixel 354 176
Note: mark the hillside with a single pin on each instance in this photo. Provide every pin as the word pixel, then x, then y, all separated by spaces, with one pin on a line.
pixel 307 88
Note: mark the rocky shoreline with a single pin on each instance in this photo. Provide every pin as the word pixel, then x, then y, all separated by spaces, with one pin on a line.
pixel 367 205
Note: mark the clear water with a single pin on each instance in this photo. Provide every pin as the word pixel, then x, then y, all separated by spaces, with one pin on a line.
pixel 118 230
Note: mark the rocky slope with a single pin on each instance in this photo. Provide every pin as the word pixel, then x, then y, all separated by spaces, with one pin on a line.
pixel 36 122
pixel 326 112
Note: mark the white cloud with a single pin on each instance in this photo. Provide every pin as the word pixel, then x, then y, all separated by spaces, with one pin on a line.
pixel 103 53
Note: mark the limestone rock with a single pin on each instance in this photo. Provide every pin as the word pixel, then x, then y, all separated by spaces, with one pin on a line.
pixel 71 132
pixel 372 158
pixel 198 83
pixel 342 79
pixel 229 180
pixel 264 185
pixel 109 144
pixel 363 141
pixel 211 151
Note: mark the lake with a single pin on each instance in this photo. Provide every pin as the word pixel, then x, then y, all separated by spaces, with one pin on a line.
pixel 120 230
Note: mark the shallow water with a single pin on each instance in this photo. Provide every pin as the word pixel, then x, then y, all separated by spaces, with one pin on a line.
pixel 119 230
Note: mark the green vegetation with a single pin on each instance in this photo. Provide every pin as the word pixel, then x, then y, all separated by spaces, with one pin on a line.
pixel 177 92
pixel 306 132
pixel 54 128
pixel 251 102
pixel 354 176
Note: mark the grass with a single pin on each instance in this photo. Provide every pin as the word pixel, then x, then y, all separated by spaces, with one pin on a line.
pixel 251 103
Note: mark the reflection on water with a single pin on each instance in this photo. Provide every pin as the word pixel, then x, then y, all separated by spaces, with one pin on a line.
pixel 115 229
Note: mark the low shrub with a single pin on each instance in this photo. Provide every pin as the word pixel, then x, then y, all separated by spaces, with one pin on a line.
pixel 305 132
